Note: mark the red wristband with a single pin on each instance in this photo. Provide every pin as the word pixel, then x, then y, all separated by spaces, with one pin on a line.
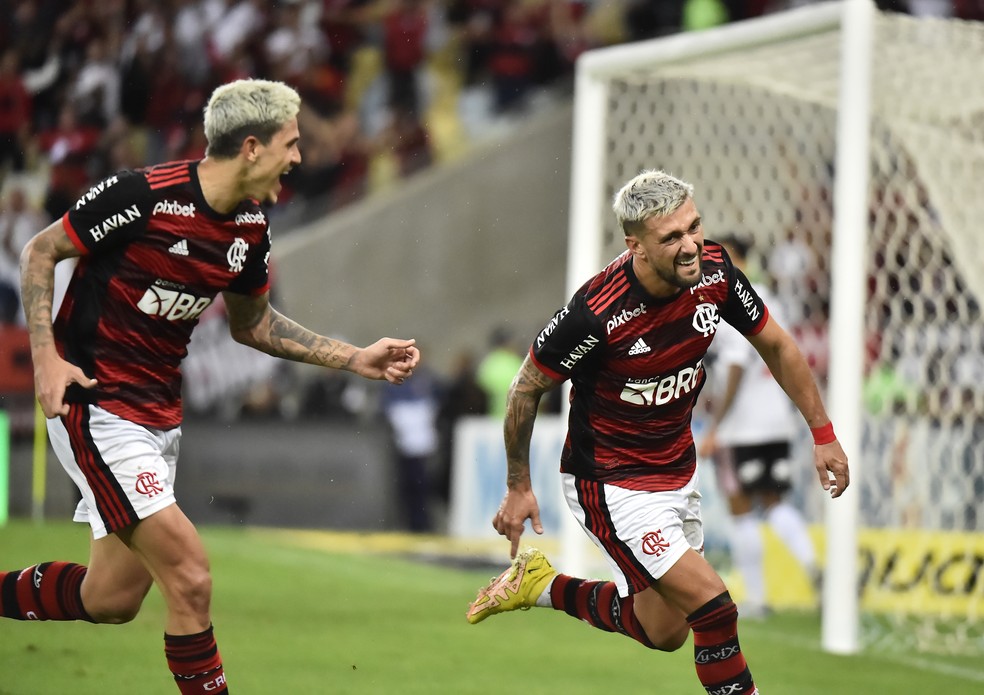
pixel 824 434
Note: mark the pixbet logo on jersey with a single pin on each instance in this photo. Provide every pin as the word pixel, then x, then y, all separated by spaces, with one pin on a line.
pixel 624 317
pixel 250 218
pixel 172 207
pixel 173 305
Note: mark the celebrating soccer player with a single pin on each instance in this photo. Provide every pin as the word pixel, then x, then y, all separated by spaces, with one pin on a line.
pixel 632 340
pixel 155 247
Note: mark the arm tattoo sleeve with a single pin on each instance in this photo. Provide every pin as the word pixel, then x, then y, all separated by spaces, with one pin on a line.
pixel 521 408
pixel 253 322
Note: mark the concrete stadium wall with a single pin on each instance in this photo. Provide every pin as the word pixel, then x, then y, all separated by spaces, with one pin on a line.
pixel 445 256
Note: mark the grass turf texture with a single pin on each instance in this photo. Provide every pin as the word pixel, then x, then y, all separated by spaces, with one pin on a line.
pixel 290 618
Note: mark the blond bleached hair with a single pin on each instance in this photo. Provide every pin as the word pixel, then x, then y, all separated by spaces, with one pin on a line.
pixel 243 108
pixel 652 193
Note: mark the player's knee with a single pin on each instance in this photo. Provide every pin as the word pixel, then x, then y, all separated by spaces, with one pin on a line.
pixel 671 640
pixel 194 589
pixel 116 610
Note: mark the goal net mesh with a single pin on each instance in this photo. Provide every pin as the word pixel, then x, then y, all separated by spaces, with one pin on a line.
pixel 755 131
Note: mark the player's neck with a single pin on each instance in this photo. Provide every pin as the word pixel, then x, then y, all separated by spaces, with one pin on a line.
pixel 656 286
pixel 219 179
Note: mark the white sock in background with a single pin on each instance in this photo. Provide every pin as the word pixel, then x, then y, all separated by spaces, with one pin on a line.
pixel 792 530
pixel 746 554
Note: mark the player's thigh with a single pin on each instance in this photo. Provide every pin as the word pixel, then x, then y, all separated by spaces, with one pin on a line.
pixel 124 471
pixel 690 583
pixel 170 547
pixel 116 582
pixel 640 533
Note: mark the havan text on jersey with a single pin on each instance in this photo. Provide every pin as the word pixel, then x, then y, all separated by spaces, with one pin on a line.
pixel 114 221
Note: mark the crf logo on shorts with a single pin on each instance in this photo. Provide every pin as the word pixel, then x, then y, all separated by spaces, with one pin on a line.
pixel 147 484
pixel 653 543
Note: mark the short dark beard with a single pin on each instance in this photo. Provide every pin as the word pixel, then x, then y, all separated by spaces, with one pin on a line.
pixel 677 281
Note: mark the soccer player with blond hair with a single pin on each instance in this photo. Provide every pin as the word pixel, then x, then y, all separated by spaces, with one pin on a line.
pixel 632 341
pixel 155 246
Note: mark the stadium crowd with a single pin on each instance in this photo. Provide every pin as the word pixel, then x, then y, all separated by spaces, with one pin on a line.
pixel 388 86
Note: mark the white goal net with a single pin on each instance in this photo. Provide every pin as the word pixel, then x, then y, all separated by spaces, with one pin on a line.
pixel 749 114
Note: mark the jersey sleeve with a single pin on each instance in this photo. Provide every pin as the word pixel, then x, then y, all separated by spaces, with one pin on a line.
pixel 732 348
pixel 254 280
pixel 571 341
pixel 113 212
pixel 744 308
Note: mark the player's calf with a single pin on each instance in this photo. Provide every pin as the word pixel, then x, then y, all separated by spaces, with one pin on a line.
pixel 48 591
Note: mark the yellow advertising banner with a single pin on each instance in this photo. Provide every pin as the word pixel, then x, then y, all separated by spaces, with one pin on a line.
pixel 900 571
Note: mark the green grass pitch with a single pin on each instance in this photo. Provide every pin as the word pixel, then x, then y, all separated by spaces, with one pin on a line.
pixel 290 618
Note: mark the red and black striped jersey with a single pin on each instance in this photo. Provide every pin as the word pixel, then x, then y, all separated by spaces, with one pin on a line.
pixel 636 368
pixel 154 256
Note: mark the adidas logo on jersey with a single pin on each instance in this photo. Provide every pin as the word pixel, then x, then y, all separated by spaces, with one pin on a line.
pixel 180 248
pixel 639 347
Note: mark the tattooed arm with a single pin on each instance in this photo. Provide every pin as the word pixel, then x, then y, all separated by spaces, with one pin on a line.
pixel 253 322
pixel 522 404
pixel 52 374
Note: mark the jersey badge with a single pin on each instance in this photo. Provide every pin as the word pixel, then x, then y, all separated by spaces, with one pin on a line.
pixel 706 319
pixel 236 255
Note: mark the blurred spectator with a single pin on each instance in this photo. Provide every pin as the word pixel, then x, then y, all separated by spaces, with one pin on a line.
pixel 18 223
pixel 463 396
pixel 497 370
pixel 68 147
pixel 411 409
pixel 192 26
pixel 238 28
pixel 15 114
pixel 344 22
pixel 95 90
pixel 404 52
pixel 792 265
pixel 407 140
pixel 703 14
pixel 512 57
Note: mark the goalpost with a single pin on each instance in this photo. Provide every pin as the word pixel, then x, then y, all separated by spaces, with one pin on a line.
pixel 849 145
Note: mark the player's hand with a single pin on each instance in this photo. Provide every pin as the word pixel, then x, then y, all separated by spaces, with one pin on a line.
pixel 387 358
pixel 708 445
pixel 517 506
pixel 831 463
pixel 52 375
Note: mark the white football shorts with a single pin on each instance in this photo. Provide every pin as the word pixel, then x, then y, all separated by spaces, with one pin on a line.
pixel 124 471
pixel 641 534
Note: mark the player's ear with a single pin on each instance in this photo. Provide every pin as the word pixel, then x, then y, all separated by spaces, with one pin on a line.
pixel 633 244
pixel 249 148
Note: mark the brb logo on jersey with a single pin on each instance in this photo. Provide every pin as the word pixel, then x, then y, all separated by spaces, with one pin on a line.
pixel 172 304
pixel 236 255
pixel 663 390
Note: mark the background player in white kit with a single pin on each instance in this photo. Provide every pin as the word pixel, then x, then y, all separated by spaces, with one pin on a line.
pixel 749 438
